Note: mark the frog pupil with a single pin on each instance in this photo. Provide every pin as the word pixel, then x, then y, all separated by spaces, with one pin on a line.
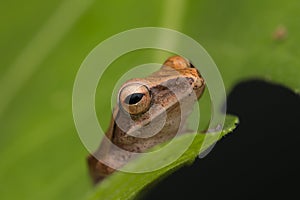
pixel 133 98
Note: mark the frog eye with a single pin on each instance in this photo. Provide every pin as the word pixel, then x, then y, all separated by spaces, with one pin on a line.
pixel 178 62
pixel 135 98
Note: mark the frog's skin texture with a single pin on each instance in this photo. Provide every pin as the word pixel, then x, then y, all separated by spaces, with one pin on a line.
pixel 149 111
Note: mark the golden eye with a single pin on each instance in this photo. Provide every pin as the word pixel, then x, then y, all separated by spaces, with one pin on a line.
pixel 135 98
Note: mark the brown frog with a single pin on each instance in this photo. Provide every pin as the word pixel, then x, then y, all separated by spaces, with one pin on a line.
pixel 149 111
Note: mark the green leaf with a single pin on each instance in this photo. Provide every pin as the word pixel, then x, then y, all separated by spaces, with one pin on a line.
pixel 114 187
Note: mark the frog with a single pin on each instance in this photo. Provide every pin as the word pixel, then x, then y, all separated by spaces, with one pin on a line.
pixel 149 111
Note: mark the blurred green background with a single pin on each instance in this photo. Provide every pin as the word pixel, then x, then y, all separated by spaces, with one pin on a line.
pixel 43 43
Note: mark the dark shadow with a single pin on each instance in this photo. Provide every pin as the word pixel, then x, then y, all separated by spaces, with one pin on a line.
pixel 260 159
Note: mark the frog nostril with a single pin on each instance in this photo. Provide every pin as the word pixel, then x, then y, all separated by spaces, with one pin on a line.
pixel 190 80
